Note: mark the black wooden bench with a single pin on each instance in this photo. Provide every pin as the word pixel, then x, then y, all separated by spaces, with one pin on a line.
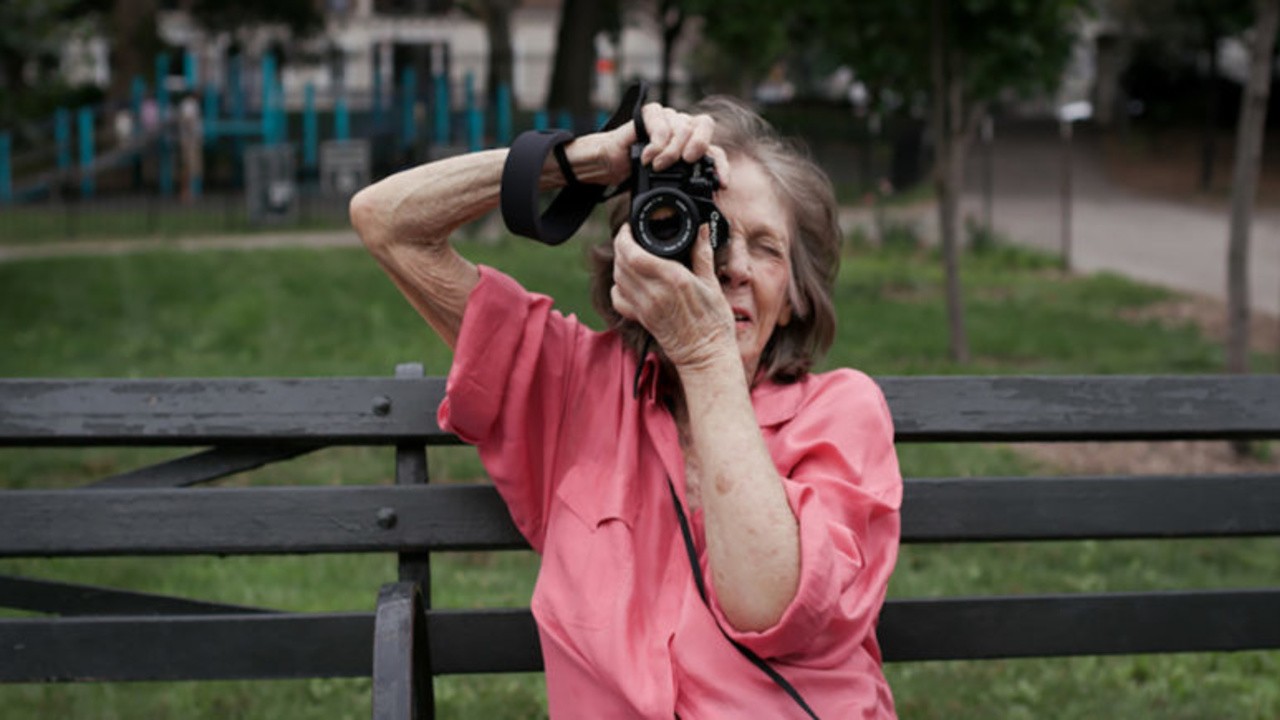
pixel 250 422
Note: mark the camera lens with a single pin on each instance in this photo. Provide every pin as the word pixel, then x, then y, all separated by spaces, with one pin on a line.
pixel 664 222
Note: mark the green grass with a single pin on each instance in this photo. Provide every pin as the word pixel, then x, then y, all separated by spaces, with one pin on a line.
pixel 331 312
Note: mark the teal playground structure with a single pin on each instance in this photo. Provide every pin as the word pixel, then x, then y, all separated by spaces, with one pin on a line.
pixel 137 147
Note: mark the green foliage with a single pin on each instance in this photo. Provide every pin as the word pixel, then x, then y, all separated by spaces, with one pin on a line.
pixel 1001 46
pixel 32 33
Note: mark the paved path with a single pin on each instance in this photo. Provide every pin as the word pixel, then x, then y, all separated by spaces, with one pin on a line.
pixel 1180 246
pixel 336 238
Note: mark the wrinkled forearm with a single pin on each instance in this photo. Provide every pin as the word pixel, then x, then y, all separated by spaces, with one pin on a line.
pixel 406 220
pixel 753 540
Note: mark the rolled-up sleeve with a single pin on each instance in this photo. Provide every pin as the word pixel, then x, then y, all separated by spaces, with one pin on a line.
pixel 507 388
pixel 844 486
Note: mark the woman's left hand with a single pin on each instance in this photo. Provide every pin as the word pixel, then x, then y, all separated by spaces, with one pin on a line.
pixel 684 310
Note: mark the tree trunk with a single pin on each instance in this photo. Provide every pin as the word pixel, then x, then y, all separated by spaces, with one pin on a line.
pixel 132 45
pixel 671 18
pixel 1244 186
pixel 575 61
pixel 949 137
pixel 497 22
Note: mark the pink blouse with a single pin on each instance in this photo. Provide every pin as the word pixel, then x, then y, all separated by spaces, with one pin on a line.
pixel 583 467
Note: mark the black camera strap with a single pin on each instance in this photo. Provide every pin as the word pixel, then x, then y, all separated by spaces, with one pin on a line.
pixel 746 652
pixel 522 175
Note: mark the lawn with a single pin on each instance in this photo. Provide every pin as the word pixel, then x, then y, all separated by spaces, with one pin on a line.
pixel 331 312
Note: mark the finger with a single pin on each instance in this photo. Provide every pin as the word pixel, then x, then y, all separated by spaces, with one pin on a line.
pixel 620 304
pixel 682 131
pixel 702 129
pixel 639 264
pixel 655 122
pixel 704 262
pixel 721 160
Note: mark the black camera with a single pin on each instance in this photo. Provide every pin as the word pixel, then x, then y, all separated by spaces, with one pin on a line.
pixel 668 207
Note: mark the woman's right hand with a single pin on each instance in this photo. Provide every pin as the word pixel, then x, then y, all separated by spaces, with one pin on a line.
pixel 673 136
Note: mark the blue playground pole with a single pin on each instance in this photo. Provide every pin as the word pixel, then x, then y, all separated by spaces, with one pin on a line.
pixel 310 129
pixel 442 110
pixel 162 104
pixel 62 137
pixel 6 169
pixel 268 88
pixel 475 119
pixel 341 119
pixel 85 122
pixel 282 118
pixel 190 69
pixel 408 93
pixel 503 112
pixel 540 120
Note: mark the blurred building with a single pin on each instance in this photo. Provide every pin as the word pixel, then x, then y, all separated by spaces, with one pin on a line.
pixel 367 43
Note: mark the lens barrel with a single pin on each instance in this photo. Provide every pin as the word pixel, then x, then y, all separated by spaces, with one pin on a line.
pixel 665 222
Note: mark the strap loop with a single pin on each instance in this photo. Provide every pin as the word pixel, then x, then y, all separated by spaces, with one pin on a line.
pixel 522 176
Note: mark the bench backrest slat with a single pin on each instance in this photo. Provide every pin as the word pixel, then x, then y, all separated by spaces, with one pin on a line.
pixel 385 411
pixel 255 646
pixel 1098 508
pixel 254 520
pixel 333 411
pixel 468 517
pixel 1080 624
pixel 216 647
pixel 949 409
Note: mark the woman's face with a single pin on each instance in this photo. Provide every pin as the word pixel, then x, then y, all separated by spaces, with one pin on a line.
pixel 755 266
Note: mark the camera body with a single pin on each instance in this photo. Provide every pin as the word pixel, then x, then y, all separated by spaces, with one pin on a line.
pixel 668 207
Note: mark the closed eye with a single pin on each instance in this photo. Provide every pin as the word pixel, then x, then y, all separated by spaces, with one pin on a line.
pixel 768 246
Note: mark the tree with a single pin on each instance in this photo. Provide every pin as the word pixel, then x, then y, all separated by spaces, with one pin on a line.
pixel 1244 186
pixel 575 61
pixel 134 44
pixel 31 31
pixel 965 55
pixel 751 37
pixel 496 16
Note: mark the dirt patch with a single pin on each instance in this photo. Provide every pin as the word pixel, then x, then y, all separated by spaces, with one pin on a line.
pixel 1209 316
pixel 1152 458
pixel 1167 164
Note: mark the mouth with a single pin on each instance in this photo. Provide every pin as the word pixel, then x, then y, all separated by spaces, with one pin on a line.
pixel 741 316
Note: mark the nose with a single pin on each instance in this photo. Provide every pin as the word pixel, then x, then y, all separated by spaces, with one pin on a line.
pixel 733 262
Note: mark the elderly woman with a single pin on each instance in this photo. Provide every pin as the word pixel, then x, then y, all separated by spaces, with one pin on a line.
pixel 717 524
